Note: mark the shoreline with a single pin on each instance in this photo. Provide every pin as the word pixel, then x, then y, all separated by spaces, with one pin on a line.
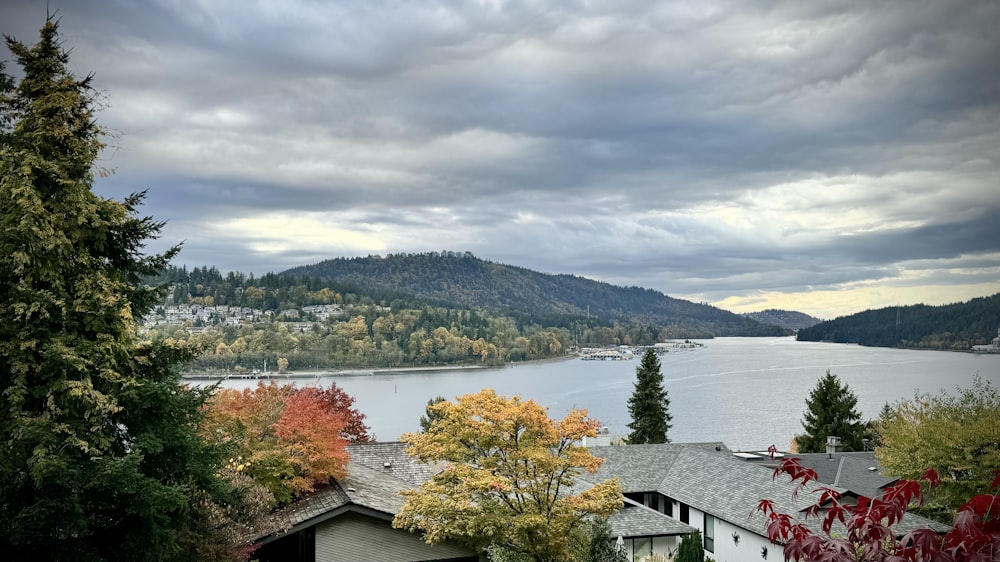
pixel 357 372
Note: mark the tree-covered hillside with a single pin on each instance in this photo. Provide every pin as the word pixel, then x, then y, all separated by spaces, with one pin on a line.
pixel 788 319
pixel 462 280
pixel 953 326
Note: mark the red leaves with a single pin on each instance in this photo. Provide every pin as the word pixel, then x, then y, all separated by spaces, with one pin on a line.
pixel 932 477
pixel 791 466
pixel 334 399
pixel 311 432
pixel 975 536
pixel 290 439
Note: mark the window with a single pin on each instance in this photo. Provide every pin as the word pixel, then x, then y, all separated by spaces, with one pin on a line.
pixel 642 547
pixel 669 507
pixel 709 533
pixel 685 515
pixel 649 499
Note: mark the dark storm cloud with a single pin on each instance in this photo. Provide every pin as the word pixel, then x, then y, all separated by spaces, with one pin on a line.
pixel 707 149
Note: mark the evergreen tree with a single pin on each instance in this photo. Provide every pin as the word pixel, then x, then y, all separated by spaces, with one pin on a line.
pixel 430 414
pixel 101 459
pixel 602 546
pixel 691 549
pixel 832 411
pixel 649 404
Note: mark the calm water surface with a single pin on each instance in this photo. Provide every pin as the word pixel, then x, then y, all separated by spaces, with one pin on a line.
pixel 746 392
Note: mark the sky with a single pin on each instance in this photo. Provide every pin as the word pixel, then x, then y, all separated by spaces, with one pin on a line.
pixel 822 156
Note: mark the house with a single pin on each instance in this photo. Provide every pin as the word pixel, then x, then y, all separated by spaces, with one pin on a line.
pixel 704 485
pixel 670 490
pixel 351 520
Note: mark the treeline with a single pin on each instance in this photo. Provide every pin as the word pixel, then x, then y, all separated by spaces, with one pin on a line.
pixel 955 326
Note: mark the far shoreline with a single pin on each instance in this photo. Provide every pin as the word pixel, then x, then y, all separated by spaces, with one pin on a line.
pixel 357 372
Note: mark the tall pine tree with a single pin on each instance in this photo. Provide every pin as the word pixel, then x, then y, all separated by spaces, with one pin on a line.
pixel 649 404
pixel 101 459
pixel 831 411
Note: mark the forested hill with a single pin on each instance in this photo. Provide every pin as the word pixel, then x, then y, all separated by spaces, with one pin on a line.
pixel 461 279
pixel 788 319
pixel 953 326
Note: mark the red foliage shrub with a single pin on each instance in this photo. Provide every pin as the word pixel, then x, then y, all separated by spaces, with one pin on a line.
pixel 866 532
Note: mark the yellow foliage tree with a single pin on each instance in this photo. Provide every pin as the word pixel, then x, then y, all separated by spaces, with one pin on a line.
pixel 957 435
pixel 511 480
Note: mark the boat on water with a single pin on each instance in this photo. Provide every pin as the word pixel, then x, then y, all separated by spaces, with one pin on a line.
pixel 992 347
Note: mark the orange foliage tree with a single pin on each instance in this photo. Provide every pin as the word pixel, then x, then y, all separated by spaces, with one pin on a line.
pixel 287 439
pixel 511 478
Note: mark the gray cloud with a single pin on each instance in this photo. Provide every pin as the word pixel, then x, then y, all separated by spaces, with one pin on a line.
pixel 709 149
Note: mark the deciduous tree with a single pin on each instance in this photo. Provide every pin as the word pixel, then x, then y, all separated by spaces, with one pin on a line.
pixel 957 435
pixel 101 457
pixel 831 411
pixel 863 529
pixel 649 405
pixel 289 439
pixel 511 477
pixel 335 400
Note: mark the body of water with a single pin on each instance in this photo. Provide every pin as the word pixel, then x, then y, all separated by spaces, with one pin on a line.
pixel 746 392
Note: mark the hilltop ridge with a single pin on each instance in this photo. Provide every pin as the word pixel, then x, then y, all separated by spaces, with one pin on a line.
pixel 461 279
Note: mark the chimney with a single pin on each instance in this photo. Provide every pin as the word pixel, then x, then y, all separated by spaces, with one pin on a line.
pixel 832 444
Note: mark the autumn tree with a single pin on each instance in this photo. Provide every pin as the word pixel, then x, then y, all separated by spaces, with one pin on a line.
pixel 957 435
pixel 334 400
pixel 831 411
pixel 511 478
pixel 288 439
pixel 853 529
pixel 101 459
pixel 649 405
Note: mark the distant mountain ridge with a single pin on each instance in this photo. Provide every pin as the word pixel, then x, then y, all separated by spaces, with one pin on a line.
pixel 787 319
pixel 956 326
pixel 467 281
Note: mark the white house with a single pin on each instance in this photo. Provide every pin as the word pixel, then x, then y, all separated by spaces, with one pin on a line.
pixel 705 486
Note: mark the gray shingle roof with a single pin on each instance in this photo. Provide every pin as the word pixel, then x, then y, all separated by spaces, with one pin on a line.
pixel 364 486
pixel 715 482
pixel 851 471
pixel 641 468
pixel 401 465
pixel 636 520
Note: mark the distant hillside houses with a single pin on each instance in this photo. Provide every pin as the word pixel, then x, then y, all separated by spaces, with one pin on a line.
pixel 195 316
pixel 199 315
pixel 323 311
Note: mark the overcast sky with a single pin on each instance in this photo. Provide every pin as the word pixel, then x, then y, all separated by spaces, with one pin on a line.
pixel 822 156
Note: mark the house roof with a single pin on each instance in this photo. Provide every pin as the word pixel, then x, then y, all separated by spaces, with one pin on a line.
pixel 400 464
pixel 374 491
pixel 637 520
pixel 717 483
pixel 642 468
pixel 705 476
pixel 858 472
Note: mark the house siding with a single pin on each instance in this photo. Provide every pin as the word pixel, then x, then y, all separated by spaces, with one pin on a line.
pixel 358 538
pixel 727 550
